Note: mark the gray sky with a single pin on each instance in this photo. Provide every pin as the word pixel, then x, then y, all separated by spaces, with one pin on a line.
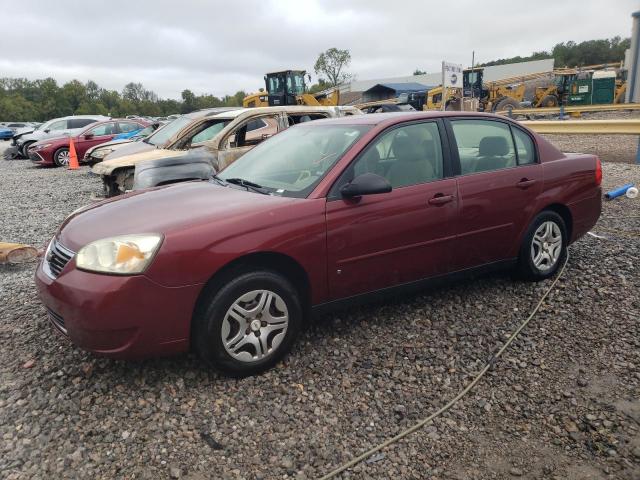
pixel 221 47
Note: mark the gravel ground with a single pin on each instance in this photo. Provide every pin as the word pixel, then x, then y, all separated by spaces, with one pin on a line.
pixel 562 403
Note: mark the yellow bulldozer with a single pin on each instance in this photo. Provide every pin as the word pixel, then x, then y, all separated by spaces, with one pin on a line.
pixel 493 96
pixel 288 87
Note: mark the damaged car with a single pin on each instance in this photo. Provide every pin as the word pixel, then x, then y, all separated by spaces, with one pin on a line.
pixel 221 137
pixel 96 154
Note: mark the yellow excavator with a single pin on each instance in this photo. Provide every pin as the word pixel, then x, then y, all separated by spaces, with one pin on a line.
pixel 289 88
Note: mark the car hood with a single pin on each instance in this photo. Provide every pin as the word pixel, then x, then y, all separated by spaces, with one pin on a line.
pixel 130 149
pixel 108 166
pixel 171 209
pixel 23 131
pixel 113 144
pixel 39 135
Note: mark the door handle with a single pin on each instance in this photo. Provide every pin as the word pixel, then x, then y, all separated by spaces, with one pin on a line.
pixel 525 183
pixel 440 199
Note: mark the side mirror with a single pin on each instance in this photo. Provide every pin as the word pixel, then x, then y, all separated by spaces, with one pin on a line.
pixel 365 184
pixel 88 136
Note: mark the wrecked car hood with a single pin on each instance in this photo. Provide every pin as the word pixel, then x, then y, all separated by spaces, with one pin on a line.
pixel 108 166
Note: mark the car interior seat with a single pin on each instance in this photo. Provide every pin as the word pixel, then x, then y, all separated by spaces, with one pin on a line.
pixel 411 165
pixel 493 154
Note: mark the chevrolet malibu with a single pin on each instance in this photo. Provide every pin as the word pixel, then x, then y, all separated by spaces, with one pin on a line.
pixel 321 215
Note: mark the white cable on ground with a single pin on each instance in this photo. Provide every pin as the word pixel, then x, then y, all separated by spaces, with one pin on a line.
pixel 452 402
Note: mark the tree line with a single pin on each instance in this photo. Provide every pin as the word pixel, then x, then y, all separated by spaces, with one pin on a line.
pixel 40 100
pixel 572 54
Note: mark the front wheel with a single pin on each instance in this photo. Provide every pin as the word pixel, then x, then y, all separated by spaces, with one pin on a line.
pixel 544 247
pixel 61 157
pixel 25 149
pixel 249 324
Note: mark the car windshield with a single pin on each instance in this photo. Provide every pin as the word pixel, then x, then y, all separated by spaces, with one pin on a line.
pixel 293 162
pixel 160 137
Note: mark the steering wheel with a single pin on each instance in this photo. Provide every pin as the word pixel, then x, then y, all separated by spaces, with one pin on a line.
pixel 304 174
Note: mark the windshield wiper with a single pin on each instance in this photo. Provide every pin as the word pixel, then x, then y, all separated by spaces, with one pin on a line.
pixel 218 179
pixel 248 185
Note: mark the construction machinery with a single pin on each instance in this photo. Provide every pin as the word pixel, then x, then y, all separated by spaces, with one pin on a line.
pixel 493 96
pixel 594 84
pixel 288 87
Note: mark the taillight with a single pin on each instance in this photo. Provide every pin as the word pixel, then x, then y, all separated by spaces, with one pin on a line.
pixel 598 171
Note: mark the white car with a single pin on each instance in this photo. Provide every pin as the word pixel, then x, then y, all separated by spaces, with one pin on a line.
pixel 57 127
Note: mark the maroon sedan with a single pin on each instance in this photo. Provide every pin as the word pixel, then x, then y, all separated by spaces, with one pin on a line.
pixel 321 215
pixel 55 151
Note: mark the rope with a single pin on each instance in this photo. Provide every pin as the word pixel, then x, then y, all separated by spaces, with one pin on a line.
pixel 455 399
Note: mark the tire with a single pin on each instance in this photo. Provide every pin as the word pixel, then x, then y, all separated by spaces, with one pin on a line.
pixel 61 157
pixel 549 101
pixel 506 103
pixel 540 254
pixel 226 339
pixel 24 151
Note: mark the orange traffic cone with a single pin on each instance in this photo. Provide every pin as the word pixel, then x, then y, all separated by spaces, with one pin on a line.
pixel 73 157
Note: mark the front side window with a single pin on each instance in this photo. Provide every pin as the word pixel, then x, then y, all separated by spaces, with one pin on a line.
pixel 405 156
pixel 293 162
pixel 242 136
pixel 209 130
pixel 59 125
pixel 483 145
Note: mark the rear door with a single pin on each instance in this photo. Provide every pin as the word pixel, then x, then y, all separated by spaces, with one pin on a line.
pixel 498 183
pixel 378 241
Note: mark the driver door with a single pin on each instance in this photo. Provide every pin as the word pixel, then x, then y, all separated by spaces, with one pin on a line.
pixel 95 136
pixel 246 135
pixel 378 241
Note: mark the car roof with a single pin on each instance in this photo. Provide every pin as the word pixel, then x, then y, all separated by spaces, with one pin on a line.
pixel 287 109
pixel 207 112
pixel 399 117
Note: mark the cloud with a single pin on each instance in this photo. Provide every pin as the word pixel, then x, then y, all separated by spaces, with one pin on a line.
pixel 221 47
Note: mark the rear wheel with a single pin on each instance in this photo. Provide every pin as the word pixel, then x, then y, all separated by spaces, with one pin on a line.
pixel 249 324
pixel 61 157
pixel 549 101
pixel 544 247
pixel 506 103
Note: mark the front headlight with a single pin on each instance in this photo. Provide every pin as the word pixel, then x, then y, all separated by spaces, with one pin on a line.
pixel 40 147
pixel 101 153
pixel 124 255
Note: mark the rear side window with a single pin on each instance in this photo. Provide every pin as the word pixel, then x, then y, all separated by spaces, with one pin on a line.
pixel 524 146
pixel 256 124
pixel 80 122
pixel 126 127
pixel 483 145
pixel 104 129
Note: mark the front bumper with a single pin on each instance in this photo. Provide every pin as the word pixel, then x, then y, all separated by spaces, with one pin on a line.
pixel 126 317
pixel 37 157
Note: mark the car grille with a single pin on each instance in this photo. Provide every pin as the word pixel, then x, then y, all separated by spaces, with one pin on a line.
pixel 57 320
pixel 57 258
